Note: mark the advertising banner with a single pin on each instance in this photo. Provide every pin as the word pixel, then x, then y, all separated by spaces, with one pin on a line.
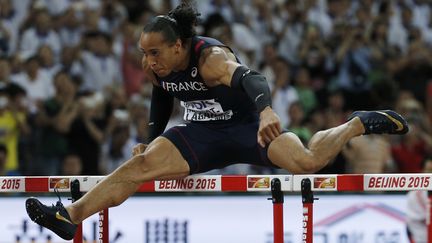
pixel 224 219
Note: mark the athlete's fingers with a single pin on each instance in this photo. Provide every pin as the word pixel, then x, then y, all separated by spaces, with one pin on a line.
pixel 261 141
pixel 266 135
pixel 272 131
pixel 142 147
pixel 139 148
pixel 275 131
pixel 278 127
pixel 135 152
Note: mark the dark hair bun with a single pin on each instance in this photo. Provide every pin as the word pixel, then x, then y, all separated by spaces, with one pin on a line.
pixel 186 17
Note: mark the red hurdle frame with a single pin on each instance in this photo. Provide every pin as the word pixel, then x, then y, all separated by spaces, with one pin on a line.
pixel 277 184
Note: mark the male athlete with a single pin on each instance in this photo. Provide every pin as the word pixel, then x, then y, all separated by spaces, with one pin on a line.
pixel 229 120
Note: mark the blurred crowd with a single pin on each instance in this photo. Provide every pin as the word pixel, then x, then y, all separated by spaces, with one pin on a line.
pixel 74 100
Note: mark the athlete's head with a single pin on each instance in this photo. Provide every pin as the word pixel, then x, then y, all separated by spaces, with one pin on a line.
pixel 164 39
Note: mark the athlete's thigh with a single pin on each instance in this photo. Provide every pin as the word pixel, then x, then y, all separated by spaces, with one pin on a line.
pixel 199 145
pixel 288 152
pixel 164 160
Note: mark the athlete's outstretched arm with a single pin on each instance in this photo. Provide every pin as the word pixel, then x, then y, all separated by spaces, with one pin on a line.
pixel 219 66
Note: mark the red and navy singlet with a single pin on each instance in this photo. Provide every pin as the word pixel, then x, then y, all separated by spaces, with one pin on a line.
pixel 222 123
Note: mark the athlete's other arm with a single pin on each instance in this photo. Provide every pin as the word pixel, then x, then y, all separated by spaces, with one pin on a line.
pixel 218 66
pixel 161 107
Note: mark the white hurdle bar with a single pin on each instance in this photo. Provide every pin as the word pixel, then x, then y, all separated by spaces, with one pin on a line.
pixel 236 183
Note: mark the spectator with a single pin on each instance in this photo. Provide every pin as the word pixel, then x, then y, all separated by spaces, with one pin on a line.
pixel 223 7
pixel 4 40
pixel 312 55
pixel 416 63
pixel 235 35
pixel 133 75
pixel 86 133
pixel 16 66
pixel 353 58
pixel 413 147
pixel 113 15
pixel 91 21
pixel 119 143
pixel 12 122
pixel 100 69
pixel 5 71
pixel 292 32
pixel 368 154
pixel 36 83
pixel 39 34
pixel 316 120
pixel 69 63
pixel 138 111
pixel 303 85
pixel 10 21
pixel 18 105
pixel 297 125
pixel 53 121
pixel 267 64
pixel 71 165
pixel 47 63
pixel 335 112
pixel 70 31
pixel 3 160
pixel 317 15
pixel 284 94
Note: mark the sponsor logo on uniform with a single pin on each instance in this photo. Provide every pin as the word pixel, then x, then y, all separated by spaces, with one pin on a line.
pixel 194 72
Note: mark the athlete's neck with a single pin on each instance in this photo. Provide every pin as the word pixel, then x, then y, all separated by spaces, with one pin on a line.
pixel 184 57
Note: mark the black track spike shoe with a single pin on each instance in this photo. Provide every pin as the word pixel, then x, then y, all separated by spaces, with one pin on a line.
pixel 381 122
pixel 54 218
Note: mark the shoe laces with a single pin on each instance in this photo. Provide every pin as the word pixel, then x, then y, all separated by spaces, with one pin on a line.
pixel 59 204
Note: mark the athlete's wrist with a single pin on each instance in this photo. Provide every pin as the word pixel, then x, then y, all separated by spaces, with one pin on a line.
pixel 266 110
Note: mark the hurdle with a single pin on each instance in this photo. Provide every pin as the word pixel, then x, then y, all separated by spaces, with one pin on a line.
pixel 274 184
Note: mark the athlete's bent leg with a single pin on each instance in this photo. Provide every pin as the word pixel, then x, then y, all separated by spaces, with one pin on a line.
pixel 288 152
pixel 160 160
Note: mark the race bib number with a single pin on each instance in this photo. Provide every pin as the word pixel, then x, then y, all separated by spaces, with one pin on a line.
pixel 205 110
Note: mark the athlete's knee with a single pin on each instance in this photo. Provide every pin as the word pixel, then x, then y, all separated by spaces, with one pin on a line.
pixel 146 162
pixel 136 168
pixel 153 163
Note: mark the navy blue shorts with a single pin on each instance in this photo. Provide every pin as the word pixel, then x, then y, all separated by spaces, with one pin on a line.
pixel 208 146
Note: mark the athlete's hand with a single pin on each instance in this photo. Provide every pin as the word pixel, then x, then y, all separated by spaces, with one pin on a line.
pixel 139 149
pixel 269 127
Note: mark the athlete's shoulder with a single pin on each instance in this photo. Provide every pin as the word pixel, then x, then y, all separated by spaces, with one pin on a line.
pixel 201 43
pixel 208 40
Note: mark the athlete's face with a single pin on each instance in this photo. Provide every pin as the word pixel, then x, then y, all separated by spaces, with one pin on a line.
pixel 162 57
